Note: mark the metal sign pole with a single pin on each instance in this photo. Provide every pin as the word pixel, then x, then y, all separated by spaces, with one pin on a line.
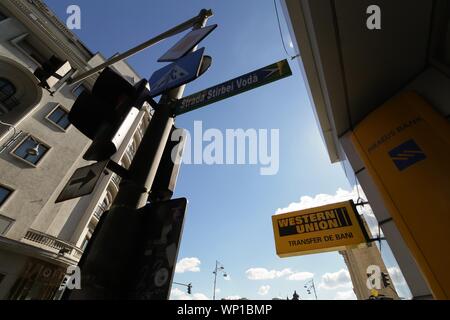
pixel 106 270
pixel 180 28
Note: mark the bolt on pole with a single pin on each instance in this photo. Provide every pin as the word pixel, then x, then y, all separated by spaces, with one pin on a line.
pixel 105 266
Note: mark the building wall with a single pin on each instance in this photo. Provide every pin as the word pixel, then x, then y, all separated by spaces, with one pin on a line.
pixel 36 187
pixel 352 70
pixel 358 260
pixel 11 270
pixel 39 225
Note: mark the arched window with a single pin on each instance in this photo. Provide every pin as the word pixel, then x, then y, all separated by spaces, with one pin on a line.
pixel 7 92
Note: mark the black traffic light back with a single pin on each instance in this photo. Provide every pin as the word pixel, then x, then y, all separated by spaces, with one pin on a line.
pixel 86 114
pixel 166 176
pixel 100 113
pixel 385 279
pixel 102 104
pixel 52 71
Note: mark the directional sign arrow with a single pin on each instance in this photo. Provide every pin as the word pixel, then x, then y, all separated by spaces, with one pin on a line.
pixel 270 71
pixel 85 180
pixel 233 87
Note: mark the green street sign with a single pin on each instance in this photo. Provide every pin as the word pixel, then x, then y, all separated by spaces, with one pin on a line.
pixel 246 82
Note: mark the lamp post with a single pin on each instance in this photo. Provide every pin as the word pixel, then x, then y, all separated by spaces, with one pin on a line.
pixel 34 151
pixel 219 268
pixel 310 285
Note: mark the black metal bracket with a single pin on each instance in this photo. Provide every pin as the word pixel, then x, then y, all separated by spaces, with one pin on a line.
pixel 117 169
pixel 377 239
pixel 155 105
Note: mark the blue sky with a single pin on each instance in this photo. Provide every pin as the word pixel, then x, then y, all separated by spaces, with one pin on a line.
pixel 230 206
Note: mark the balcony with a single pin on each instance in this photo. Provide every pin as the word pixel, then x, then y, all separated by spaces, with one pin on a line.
pixel 101 208
pixel 51 243
pixel 116 180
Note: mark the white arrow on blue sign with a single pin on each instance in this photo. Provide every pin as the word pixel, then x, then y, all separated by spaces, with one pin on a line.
pixel 182 71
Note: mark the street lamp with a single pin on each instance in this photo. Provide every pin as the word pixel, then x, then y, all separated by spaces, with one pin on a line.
pixel 310 285
pixel 219 268
pixel 35 150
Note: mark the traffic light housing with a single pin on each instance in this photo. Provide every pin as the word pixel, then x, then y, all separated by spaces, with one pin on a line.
pixel 51 71
pixel 166 176
pixel 189 288
pixel 386 280
pixel 100 114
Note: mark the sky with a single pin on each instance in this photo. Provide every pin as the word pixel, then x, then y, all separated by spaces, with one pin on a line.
pixel 230 206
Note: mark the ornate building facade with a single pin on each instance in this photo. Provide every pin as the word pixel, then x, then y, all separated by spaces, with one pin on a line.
pixel 40 150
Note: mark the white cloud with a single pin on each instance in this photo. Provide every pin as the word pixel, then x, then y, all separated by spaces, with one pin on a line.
pixel 399 282
pixel 177 294
pixel 335 280
pixel 188 265
pixel 263 290
pixel 233 298
pixel 287 273
pixel 345 295
pixel 322 199
pixel 200 296
pixel 264 274
pixel 300 276
pixel 217 290
pixel 396 276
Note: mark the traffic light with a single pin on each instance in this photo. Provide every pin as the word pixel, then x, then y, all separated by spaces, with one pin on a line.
pixel 386 280
pixel 169 166
pixel 189 288
pixel 100 115
pixel 51 71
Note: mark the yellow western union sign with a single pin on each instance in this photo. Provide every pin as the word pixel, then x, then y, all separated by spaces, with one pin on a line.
pixel 327 228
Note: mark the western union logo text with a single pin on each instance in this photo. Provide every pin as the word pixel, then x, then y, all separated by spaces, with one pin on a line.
pixel 312 222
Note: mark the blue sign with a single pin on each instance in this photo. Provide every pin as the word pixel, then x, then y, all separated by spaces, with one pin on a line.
pixel 406 154
pixel 180 72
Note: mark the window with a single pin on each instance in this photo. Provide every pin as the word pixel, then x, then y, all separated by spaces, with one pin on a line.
pixel 5 224
pixel 78 90
pixel 4 194
pixel 59 117
pixel 85 243
pixel 7 92
pixel 30 150
pixel 29 48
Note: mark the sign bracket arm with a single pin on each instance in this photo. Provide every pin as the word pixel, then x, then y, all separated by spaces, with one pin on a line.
pixel 117 169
